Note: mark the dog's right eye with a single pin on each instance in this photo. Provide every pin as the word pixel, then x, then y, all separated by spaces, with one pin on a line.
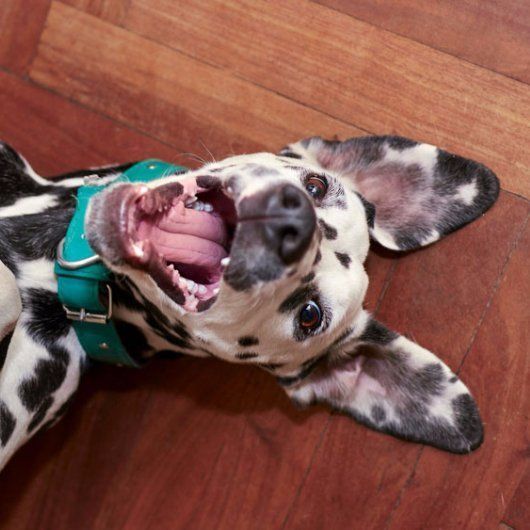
pixel 316 186
pixel 310 316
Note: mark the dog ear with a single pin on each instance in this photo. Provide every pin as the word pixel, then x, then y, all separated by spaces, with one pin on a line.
pixel 391 384
pixel 420 192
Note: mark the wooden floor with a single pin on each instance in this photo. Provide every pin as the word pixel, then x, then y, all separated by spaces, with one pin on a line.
pixel 204 445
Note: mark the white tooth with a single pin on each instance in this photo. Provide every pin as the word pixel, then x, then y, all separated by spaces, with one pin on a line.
pixel 216 291
pixel 190 200
pixel 208 207
pixel 225 262
pixel 138 249
pixel 202 289
pixel 183 284
pixel 171 267
pixel 192 286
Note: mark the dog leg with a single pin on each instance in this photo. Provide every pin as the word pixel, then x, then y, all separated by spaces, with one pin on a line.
pixel 38 379
pixel 10 304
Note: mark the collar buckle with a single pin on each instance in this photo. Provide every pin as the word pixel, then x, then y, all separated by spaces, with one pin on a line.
pixel 82 315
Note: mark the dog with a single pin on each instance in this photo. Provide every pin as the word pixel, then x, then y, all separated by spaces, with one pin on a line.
pixel 256 259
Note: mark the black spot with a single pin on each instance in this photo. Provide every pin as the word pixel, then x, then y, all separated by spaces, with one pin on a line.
pixel 36 236
pixel 7 423
pixel 378 413
pixel 39 416
pixel 248 340
pixel 297 297
pixel 208 182
pixel 344 335
pixel 318 257
pixel 48 376
pixel 308 277
pixel 169 354
pixel 203 305
pixel 133 339
pixel 4 345
pixel 399 143
pixel 453 379
pixel 329 231
pixel 369 210
pixel 64 407
pixel 377 333
pixel 468 420
pixel 271 366
pixel 290 380
pixel 246 355
pixel 291 154
pixel 47 321
pixel 344 259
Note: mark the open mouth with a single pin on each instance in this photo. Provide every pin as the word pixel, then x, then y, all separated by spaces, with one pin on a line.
pixel 181 234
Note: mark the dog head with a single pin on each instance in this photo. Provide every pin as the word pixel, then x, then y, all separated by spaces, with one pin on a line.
pixel 262 257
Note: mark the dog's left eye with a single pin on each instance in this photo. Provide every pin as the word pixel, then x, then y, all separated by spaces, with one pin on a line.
pixel 310 316
pixel 316 186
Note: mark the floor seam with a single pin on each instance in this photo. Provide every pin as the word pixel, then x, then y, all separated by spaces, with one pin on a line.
pixel 495 288
pixel 403 489
pixel 306 473
pixel 386 284
pixel 410 39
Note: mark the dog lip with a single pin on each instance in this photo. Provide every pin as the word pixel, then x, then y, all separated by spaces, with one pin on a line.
pixel 146 228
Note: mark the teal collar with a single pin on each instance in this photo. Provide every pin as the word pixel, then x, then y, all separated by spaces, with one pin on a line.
pixel 84 283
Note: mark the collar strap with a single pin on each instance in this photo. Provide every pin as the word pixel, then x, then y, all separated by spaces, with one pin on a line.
pixel 84 283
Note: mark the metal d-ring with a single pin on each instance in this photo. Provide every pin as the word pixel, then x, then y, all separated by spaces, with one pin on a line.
pixel 74 265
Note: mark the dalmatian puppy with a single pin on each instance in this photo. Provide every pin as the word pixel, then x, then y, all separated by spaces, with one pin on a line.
pixel 257 259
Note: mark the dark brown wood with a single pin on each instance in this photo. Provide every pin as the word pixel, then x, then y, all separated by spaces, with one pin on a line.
pixel 57 136
pixel 201 444
pixel 373 79
pixel 21 23
pixel 437 297
pixel 110 10
pixel 492 33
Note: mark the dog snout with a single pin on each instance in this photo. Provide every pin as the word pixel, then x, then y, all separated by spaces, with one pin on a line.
pixel 288 220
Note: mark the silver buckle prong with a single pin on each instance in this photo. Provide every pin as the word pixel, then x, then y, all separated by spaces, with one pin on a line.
pixel 82 315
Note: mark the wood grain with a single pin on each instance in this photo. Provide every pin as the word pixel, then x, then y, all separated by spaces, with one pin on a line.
pixel 428 299
pixel 201 444
pixel 488 478
pixel 490 33
pixel 373 79
pixel 110 10
pixel 167 94
pixel 21 23
pixel 57 136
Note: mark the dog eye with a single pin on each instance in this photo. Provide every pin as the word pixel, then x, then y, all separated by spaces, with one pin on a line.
pixel 310 316
pixel 316 186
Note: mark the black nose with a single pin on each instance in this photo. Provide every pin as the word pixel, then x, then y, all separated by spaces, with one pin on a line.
pixel 288 220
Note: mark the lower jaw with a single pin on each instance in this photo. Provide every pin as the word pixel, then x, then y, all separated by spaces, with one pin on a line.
pixel 186 284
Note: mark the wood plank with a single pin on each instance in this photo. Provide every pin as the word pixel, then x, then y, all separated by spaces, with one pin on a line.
pixel 473 492
pixel 21 22
pixel 517 513
pixel 363 75
pixel 165 93
pixel 58 136
pixel 113 11
pixel 358 474
pixel 181 444
pixel 490 33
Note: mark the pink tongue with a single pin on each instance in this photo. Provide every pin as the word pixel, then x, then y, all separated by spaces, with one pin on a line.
pixel 188 236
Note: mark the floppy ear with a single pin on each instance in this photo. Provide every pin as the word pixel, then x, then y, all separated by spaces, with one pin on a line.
pixel 391 384
pixel 420 192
